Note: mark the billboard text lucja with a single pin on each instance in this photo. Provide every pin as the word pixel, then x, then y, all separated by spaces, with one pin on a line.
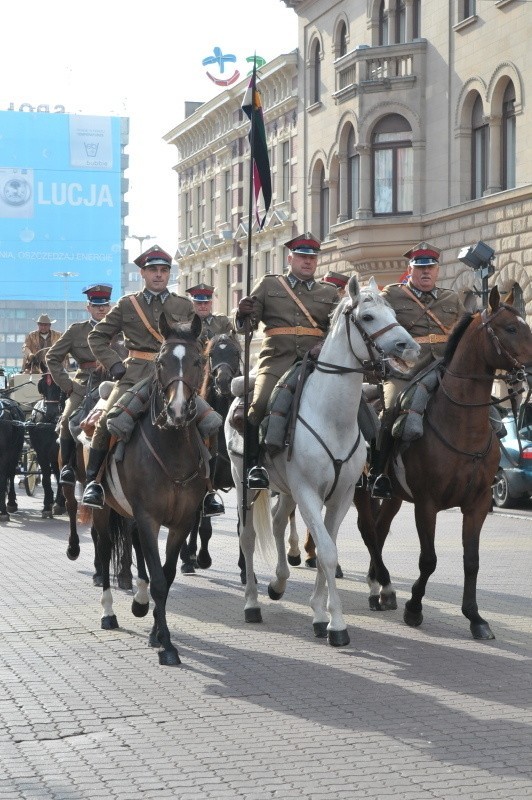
pixel 60 203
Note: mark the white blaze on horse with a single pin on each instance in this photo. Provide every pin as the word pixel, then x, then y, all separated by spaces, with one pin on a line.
pixel 327 457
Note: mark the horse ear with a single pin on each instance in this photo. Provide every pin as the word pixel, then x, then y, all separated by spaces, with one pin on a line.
pixel 353 289
pixel 195 326
pixel 509 299
pixel 494 300
pixel 164 328
pixel 373 285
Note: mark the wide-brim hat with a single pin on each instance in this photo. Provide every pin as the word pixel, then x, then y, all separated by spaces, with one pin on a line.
pixel 306 244
pixel 423 255
pixel 201 293
pixel 152 256
pixel 44 319
pixel 336 278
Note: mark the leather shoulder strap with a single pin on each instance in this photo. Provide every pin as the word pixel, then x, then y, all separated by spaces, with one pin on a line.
pixel 297 301
pixel 142 315
pixel 426 310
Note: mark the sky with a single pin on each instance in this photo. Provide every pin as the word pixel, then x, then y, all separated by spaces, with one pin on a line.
pixel 142 61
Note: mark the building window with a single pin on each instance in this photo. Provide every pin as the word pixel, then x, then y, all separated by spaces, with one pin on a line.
pixel 315 67
pixel 212 204
pixel 400 23
pixel 479 150
pixel 508 138
pixel 187 220
pixel 383 23
pixel 324 207
pixel 267 262
pixel 470 8
pixel 353 177
pixel 227 196
pixel 286 178
pixel 341 48
pixel 393 184
pixel 416 14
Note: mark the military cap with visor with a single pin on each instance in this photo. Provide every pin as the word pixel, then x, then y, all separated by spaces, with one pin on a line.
pixel 98 294
pixel 153 257
pixel 306 244
pixel 201 293
pixel 423 255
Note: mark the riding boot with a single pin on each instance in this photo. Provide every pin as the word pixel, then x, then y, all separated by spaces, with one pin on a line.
pixel 94 495
pixel 257 477
pixel 68 451
pixel 379 482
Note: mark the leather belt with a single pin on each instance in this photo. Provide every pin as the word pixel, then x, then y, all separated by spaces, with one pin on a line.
pixel 432 338
pixel 88 364
pixel 297 331
pixel 146 356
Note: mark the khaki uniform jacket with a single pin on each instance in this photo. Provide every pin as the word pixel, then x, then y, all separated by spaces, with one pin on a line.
pixel 447 307
pixel 214 325
pixel 276 309
pixel 35 342
pixel 73 342
pixel 123 318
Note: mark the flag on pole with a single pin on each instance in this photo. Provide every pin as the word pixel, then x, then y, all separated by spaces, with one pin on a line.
pixel 262 179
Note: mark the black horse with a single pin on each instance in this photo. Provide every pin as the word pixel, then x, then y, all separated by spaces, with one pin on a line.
pixel 42 434
pixel 12 420
pixel 223 361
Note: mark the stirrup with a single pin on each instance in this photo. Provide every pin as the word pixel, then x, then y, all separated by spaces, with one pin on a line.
pixel 94 495
pixel 67 475
pixel 258 478
pixel 382 488
pixel 212 505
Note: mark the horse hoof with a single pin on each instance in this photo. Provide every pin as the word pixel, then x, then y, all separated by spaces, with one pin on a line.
pixel 374 603
pixel 339 573
pixel 273 595
pixel 11 507
pixel 109 623
pixel 97 579
pixel 388 601
pixel 46 514
pixel 187 568
pixel 139 609
pixel 169 658
pixel 294 561
pixel 73 552
pixel 58 510
pixel 338 638
pixel 125 582
pixel 253 615
pixel 413 618
pixel 4 517
pixel 320 630
pixel 204 561
pixel 481 631
pixel 311 562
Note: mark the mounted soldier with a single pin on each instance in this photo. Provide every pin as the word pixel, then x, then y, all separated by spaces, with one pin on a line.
pixel 74 343
pixel 211 324
pixel 295 310
pixel 136 316
pixel 428 312
pixel 37 344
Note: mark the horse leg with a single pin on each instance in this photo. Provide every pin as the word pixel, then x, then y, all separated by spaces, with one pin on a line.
pixel 294 553
pixel 310 550
pixel 285 506
pixel 426 528
pixel 97 577
pixel 472 523
pixel 189 547
pixel 125 578
pixel 71 504
pixel 252 610
pixel 12 505
pixel 46 475
pixel 382 595
pixel 59 501
pixel 101 534
pixel 141 600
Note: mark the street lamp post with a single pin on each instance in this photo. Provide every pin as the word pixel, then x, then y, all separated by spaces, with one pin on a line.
pixel 141 240
pixel 66 276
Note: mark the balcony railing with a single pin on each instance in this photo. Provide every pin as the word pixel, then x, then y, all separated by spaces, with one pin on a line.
pixel 378 68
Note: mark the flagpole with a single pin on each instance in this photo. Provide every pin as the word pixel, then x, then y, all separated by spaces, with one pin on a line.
pixel 248 333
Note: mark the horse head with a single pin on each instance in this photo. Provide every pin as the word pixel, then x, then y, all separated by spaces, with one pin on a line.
pixel 51 406
pixel 223 363
pixel 375 320
pixel 509 336
pixel 178 371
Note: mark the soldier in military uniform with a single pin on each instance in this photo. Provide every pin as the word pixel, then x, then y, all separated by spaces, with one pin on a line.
pixel 211 324
pixel 139 328
pixel 74 343
pixel 337 279
pixel 428 313
pixel 37 344
pixel 295 310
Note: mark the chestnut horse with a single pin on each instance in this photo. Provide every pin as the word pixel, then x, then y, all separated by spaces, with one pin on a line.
pixel 454 463
pixel 160 480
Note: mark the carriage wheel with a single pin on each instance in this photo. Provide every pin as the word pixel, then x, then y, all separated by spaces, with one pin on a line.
pixel 501 491
pixel 32 474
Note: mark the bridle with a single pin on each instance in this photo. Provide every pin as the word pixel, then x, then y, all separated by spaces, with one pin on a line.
pixel 232 370
pixel 159 405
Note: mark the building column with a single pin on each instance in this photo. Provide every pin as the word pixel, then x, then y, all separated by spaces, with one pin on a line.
pixel 494 167
pixel 391 22
pixel 409 20
pixel 342 209
pixel 364 204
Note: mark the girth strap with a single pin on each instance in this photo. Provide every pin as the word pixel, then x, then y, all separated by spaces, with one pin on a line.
pixel 337 462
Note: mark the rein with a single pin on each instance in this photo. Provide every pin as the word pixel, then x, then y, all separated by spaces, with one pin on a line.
pixel 175 481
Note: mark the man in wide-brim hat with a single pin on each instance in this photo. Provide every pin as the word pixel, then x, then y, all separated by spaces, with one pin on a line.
pixel 37 344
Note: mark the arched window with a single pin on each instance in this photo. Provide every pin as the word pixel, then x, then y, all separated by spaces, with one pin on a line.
pixel 315 67
pixel 400 21
pixel 508 137
pixel 383 23
pixel 393 184
pixel 324 207
pixel 479 150
pixel 341 41
pixel 353 177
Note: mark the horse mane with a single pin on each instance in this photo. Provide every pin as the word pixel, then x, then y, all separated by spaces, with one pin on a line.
pixel 456 335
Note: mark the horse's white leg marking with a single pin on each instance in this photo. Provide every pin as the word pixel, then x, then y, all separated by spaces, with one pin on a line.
pixel 141 595
pixel 107 604
pixel 179 399
pixel 293 539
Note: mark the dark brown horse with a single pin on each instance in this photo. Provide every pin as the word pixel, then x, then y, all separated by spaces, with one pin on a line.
pixel 41 429
pixel 159 481
pixel 454 463
pixel 12 420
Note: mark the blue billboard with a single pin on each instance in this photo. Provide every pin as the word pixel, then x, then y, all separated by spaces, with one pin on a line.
pixel 60 203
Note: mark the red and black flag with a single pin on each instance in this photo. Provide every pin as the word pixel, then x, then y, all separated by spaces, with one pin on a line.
pixel 262 179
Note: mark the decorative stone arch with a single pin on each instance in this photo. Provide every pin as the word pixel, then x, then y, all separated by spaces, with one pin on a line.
pixel 349 118
pixel 497 85
pixel 368 122
pixel 510 274
pixel 312 65
pixel 466 100
pixel 461 161
pixel 341 19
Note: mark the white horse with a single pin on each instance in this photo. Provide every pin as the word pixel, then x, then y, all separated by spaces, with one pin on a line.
pixel 328 456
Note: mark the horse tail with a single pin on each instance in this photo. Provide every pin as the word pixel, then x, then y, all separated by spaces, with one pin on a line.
pixel 262 522
pixel 120 535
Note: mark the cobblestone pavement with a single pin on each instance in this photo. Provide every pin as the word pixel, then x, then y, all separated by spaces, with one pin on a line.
pixel 265 711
